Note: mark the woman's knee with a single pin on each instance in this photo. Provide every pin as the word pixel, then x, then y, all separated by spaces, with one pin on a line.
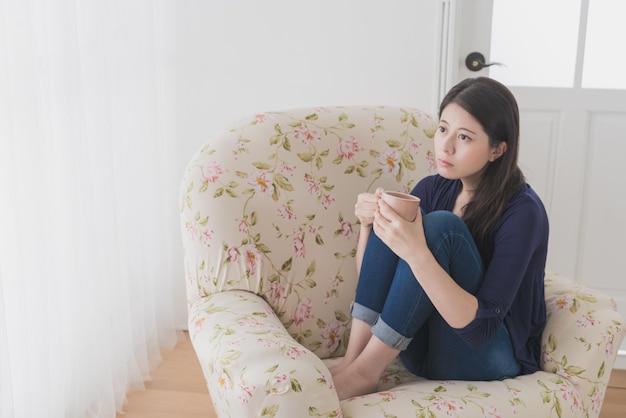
pixel 441 222
pixel 453 246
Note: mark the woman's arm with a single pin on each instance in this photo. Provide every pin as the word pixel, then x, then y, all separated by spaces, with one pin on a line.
pixel 364 234
pixel 365 209
pixel 457 306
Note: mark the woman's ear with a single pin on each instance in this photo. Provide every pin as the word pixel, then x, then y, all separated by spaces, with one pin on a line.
pixel 498 151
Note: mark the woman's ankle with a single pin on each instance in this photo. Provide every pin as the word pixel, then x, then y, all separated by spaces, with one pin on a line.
pixel 350 382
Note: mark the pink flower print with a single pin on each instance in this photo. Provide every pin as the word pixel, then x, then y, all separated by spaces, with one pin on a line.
pixel 387 396
pixel 285 212
pixel 335 281
pixel 415 146
pixel 376 123
pixel 206 278
pixel 298 244
pixel 243 226
pixel 346 229
pixel 322 110
pixel 268 343
pixel 492 412
pixel 245 393
pixel 569 395
pixel 547 357
pixel 608 341
pixel 294 352
pixel 390 161
pixel 312 229
pixel 207 236
pixel 198 324
pixel 253 260
pixel 349 146
pixel 288 169
pixel 235 343
pixel 306 135
pixel 195 233
pixel 313 187
pixel 232 254
pixel 260 118
pixel 240 147
pixel 192 230
pixel 586 321
pixel 422 115
pixel 331 334
pixel 261 182
pixel 564 302
pixel 448 406
pixel 303 311
pixel 212 171
pixel 278 293
pixel 430 158
pixel 280 378
pixel 327 200
pixel 249 322
pixel 596 400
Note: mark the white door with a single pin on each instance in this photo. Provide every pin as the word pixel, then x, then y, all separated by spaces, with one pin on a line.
pixel 565 73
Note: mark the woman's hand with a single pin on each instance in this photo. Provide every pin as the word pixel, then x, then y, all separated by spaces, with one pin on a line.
pixel 404 238
pixel 366 207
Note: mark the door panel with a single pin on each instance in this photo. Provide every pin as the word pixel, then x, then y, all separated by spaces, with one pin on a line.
pixel 539 130
pixel 603 219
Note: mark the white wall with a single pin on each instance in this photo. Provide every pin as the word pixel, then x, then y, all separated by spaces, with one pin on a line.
pixel 229 59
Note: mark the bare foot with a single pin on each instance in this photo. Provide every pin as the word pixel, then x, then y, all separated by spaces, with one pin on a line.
pixel 349 383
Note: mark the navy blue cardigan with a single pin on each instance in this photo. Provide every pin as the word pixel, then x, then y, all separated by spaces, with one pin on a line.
pixel 513 287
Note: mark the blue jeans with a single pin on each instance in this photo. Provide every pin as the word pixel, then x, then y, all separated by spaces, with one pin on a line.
pixel 389 298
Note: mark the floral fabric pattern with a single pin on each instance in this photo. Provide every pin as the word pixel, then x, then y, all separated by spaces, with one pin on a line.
pixel 268 225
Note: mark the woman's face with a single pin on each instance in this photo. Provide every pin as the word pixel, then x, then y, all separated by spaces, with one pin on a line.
pixel 462 147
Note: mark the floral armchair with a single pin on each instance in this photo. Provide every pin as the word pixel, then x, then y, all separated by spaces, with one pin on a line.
pixel 267 217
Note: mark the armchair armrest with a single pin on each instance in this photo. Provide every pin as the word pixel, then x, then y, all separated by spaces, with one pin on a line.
pixel 252 366
pixel 581 338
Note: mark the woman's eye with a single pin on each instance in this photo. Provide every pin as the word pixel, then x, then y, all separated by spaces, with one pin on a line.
pixel 442 129
pixel 464 137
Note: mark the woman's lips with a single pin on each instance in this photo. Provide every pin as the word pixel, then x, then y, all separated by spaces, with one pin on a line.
pixel 444 163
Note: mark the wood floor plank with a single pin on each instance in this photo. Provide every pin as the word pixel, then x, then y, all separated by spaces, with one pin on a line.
pixel 618 379
pixel 169 402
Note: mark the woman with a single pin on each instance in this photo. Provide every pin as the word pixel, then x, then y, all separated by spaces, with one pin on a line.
pixel 459 292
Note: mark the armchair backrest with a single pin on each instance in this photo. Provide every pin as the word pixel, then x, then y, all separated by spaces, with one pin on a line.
pixel 267 206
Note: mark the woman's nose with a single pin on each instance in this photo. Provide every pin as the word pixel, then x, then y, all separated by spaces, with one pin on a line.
pixel 447 144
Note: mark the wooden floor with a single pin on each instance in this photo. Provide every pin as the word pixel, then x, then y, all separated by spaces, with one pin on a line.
pixel 178 390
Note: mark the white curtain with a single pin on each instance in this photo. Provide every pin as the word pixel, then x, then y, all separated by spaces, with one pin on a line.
pixel 90 263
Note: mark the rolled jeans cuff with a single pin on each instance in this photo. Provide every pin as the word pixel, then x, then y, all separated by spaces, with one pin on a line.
pixel 380 329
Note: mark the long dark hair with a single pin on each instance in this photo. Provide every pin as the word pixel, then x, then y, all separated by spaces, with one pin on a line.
pixel 495 108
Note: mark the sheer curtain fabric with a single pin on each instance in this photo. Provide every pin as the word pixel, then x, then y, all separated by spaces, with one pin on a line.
pixel 88 256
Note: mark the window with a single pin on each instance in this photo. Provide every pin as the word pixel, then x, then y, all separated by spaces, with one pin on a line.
pixel 559 43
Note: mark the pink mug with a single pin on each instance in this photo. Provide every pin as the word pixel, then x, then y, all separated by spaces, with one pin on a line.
pixel 404 204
